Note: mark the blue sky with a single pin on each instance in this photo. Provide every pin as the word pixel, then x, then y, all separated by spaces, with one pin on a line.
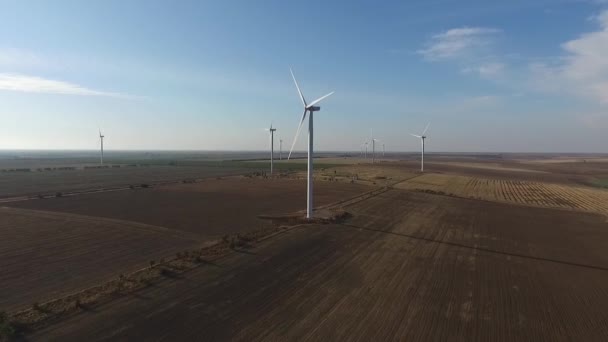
pixel 516 76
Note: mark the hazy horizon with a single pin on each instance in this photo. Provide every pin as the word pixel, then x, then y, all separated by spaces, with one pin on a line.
pixel 378 151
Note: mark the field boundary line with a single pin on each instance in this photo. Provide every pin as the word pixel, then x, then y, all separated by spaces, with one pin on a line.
pixel 63 307
pixel 482 249
pixel 354 199
pixel 89 218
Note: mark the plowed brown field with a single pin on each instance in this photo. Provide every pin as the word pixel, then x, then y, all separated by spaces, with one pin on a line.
pixel 210 208
pixel 47 254
pixel 55 246
pixel 406 267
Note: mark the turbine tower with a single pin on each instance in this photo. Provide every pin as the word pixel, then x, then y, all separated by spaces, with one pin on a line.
pixel 373 146
pixel 280 149
pixel 101 136
pixel 422 137
pixel 271 130
pixel 382 150
pixel 308 108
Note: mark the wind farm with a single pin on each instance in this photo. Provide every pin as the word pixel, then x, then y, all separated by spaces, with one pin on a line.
pixel 179 221
pixel 169 215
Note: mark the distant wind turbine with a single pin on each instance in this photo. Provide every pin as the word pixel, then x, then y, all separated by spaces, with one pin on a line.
pixel 271 130
pixel 422 137
pixel 101 136
pixel 308 108
pixel 280 149
pixel 373 146
pixel 382 150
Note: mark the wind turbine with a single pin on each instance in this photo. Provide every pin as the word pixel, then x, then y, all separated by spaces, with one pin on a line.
pixel 271 130
pixel 101 136
pixel 308 108
pixel 382 150
pixel 373 146
pixel 422 137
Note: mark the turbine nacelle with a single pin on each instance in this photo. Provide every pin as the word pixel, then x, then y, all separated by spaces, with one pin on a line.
pixel 308 107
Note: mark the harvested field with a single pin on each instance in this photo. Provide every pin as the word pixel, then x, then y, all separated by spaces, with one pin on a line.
pixel 407 266
pixel 46 254
pixel 512 191
pixel 209 209
pixel 486 166
pixel 500 170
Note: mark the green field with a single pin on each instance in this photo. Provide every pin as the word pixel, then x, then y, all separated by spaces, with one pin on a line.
pixel 602 183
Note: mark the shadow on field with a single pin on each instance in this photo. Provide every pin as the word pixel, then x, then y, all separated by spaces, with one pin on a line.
pixel 88 308
pixel 244 251
pixel 211 263
pixel 531 257
pixel 136 295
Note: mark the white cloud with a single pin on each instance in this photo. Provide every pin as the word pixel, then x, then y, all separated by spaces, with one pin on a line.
pixel 487 70
pixel 33 84
pixel 457 42
pixel 584 69
pixel 481 101
pixel 11 57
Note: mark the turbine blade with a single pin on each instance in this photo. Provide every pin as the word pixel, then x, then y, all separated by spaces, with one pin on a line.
pixel 297 134
pixel 427 127
pixel 414 135
pixel 298 87
pixel 318 100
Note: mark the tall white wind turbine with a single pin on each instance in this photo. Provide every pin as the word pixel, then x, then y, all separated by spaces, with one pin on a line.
pixel 422 137
pixel 309 108
pixel 271 130
pixel 101 136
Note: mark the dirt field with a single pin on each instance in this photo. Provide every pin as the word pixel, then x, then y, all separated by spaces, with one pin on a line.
pixel 57 245
pixel 47 254
pixel 49 182
pixel 209 209
pixel 520 192
pixel 406 266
